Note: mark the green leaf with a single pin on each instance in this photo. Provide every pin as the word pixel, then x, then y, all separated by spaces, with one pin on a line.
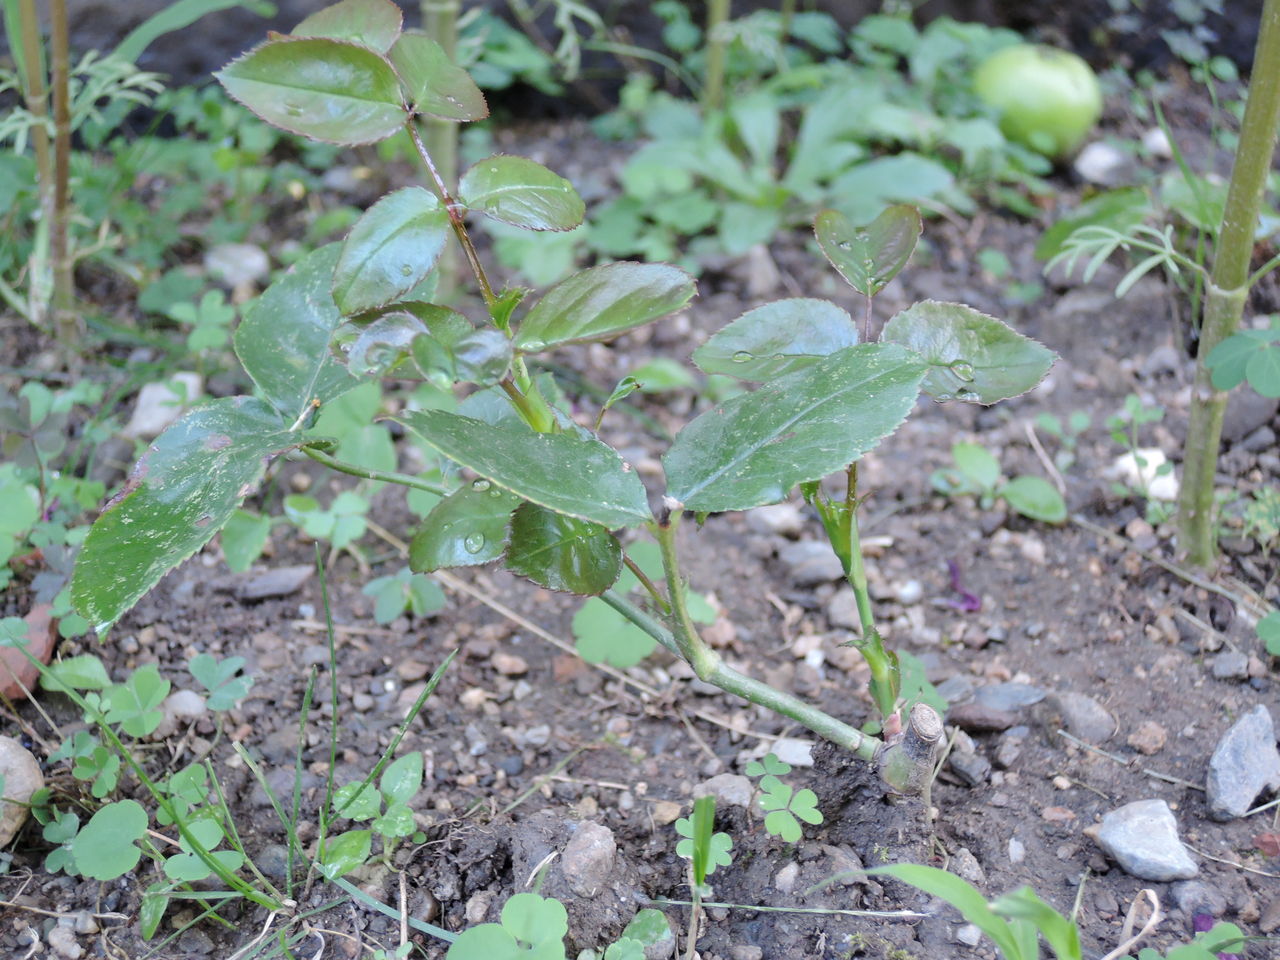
pixel 977 358
pixel 1269 632
pixel 533 919
pixel 188 866
pixel 784 826
pixel 371 23
pixel 135 704
pixel 574 475
pixel 402 778
pixel 776 339
pixel 1229 360
pixel 525 194
pixel 562 553
pixel 602 302
pixel 977 464
pixel 106 847
pixel 649 927
pixel 219 678
pixel 1036 498
pixel 182 491
pixel 389 251
pixel 869 257
pixel 169 19
pixel 357 801
pixel 84 672
pixel 488 941
pixel 603 635
pixel 396 822
pixel 753 448
pixel 436 85
pixel 283 340
pixel 341 854
pixel 961 895
pixel 322 89
pixel 466 528
pixel 243 537
pixel 1263 371
pixel 1059 932
pixel 155 901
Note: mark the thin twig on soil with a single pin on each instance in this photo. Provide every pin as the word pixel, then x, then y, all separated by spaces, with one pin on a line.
pixel 1232 863
pixel 1049 466
pixel 758 908
pixel 10 905
pixel 1129 938
pixel 1166 777
pixel 1251 603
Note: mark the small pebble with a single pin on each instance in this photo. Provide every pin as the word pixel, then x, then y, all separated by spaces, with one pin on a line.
pixel 1143 838
pixel 1231 665
pixel 509 664
pixel 1017 850
pixel 784 881
pixel 969 935
pixel 1149 738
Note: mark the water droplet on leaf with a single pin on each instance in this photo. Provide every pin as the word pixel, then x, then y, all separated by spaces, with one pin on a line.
pixel 964 370
pixel 474 543
pixel 406 270
pixel 742 356
pixel 481 485
pixel 942 398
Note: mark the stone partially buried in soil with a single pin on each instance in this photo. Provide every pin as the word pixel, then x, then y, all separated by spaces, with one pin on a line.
pixel 1079 715
pixel 1244 763
pixel 20 773
pixel 1143 838
pixel 280 582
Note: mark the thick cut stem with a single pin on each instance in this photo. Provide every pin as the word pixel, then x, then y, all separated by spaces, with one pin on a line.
pixel 713 88
pixel 440 22
pixel 1228 289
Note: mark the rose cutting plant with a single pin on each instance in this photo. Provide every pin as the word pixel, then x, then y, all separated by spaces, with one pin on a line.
pixel 538 491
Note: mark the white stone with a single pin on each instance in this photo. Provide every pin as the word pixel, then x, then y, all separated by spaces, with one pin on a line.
pixel 1143 838
pixel 798 753
pixel 1102 163
pixel 160 404
pixel 1156 142
pixel 237 264
pixel 1127 470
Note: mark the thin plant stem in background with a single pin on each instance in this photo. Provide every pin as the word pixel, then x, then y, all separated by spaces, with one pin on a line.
pixel 440 22
pixel 67 327
pixel 713 86
pixel 1228 290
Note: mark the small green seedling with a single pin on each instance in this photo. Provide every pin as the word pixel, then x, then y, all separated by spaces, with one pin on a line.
pixel 210 321
pixel 342 524
pixel 1262 518
pixel 977 472
pixel 404 592
pixel 188 866
pixel 219 678
pixel 532 928
pixel 387 806
pixel 784 806
pixel 1067 434
pixel 1269 632
pixel 702 847
pixel 1150 465
pixel 1252 355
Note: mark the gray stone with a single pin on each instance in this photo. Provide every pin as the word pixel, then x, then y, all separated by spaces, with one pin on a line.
pixel 731 789
pixel 273 860
pixel 842 610
pixel 798 753
pixel 1247 410
pixel 588 859
pixel 1007 752
pixel 955 689
pixel 908 593
pixel 1009 696
pixel 742 951
pixel 21 774
pixel 784 881
pixel 184 705
pixel 63 941
pixel 810 563
pixel 83 923
pixel 1231 665
pixel 777 519
pixel 973 769
pixel 1196 896
pixel 976 718
pixel 1264 438
pixel 969 935
pixel 237 264
pixel 160 404
pixel 966 866
pixel 1244 763
pixel 1079 715
pixel 1143 838
pixel 279 582
pixel 1017 850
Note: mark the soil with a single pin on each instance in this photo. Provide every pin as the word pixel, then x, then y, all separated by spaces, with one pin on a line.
pixel 522 753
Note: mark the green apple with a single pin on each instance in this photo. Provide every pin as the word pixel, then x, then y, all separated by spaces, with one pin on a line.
pixel 1048 99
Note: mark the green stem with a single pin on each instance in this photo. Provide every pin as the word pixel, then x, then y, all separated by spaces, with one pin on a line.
pixel 700 656
pixel 713 88
pixel 445 194
pixel 440 21
pixel 648 584
pixel 404 479
pixel 857 576
pixel 1228 290
pixel 731 681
